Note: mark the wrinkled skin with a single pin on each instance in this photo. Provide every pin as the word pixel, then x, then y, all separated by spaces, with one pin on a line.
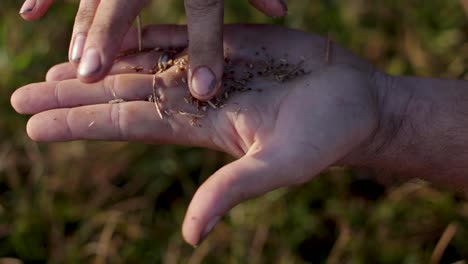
pixel 282 136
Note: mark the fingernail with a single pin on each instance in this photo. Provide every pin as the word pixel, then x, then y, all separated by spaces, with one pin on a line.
pixel 90 62
pixel 203 81
pixel 27 7
pixel 211 224
pixel 77 47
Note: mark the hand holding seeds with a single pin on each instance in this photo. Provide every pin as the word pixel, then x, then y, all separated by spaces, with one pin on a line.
pixel 100 27
pixel 287 110
pixel 291 105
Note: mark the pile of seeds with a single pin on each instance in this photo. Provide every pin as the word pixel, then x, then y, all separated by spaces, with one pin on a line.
pixel 281 71
pixel 234 80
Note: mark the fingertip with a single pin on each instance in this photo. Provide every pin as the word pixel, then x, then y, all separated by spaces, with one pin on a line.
pixel 76 48
pixel 90 64
pixel 189 233
pixel 29 15
pixel 92 67
pixel 17 102
pixel 47 127
pixel 31 129
pixel 205 209
pixel 23 100
pixel 104 36
pixel 27 10
pixel 193 236
pixel 25 14
pixel 27 99
pixel 203 83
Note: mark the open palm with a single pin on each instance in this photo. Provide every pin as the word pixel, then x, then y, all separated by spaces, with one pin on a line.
pixel 283 129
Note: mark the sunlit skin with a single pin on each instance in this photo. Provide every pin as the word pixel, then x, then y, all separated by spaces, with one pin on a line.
pixel 101 26
pixel 342 113
pixel 301 126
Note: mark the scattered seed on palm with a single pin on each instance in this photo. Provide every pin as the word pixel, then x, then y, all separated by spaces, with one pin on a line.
pixel 234 80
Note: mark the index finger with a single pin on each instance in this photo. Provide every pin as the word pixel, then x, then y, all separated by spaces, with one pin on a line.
pixel 104 37
pixel 205 30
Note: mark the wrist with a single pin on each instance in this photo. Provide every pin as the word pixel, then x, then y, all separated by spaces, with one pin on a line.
pixel 392 102
pixel 422 131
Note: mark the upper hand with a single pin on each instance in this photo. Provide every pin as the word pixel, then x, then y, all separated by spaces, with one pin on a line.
pixel 100 27
pixel 284 135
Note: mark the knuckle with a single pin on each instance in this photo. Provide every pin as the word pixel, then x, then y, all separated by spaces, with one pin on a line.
pixel 69 117
pixel 200 7
pixel 84 16
pixel 101 28
pixel 107 33
pixel 108 83
pixel 119 121
pixel 57 94
pixel 201 50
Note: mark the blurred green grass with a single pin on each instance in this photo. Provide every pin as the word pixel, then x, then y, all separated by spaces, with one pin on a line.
pixel 96 202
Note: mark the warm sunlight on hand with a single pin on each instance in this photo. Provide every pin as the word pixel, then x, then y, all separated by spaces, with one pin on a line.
pixel 283 130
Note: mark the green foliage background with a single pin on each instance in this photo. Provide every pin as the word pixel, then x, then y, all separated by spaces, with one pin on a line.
pixel 95 202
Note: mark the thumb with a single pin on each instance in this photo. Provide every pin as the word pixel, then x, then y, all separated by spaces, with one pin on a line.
pixel 243 179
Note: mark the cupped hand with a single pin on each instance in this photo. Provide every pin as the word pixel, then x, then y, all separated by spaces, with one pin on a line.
pixel 284 127
pixel 100 27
